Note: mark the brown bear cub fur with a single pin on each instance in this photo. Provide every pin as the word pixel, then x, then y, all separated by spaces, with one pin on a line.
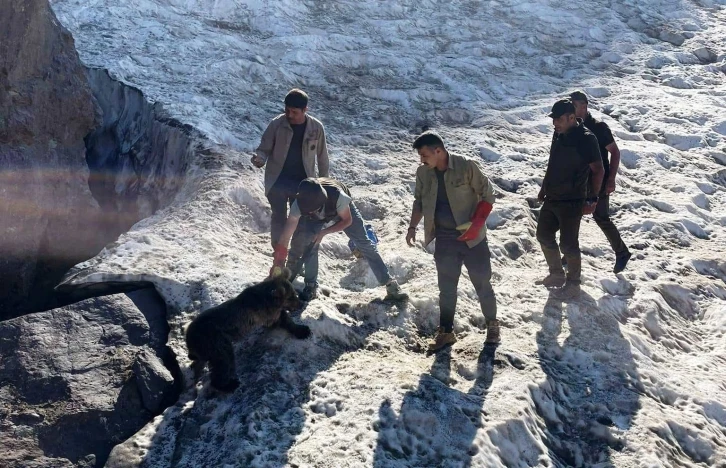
pixel 211 334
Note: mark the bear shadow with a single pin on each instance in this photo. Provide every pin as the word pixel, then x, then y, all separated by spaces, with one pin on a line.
pixel 262 419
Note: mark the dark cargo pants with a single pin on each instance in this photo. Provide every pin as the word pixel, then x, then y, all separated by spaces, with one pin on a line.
pixel 450 255
pixel 280 196
pixel 564 217
pixel 602 218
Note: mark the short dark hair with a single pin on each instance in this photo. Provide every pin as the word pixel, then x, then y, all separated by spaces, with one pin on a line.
pixel 578 96
pixel 430 139
pixel 311 196
pixel 296 98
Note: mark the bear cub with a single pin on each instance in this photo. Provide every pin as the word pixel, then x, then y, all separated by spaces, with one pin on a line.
pixel 210 336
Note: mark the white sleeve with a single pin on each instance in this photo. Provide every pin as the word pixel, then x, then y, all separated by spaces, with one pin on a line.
pixel 295 210
pixel 343 202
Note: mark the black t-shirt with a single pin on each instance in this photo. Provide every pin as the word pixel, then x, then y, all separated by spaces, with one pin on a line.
pixel 293 170
pixel 604 138
pixel 444 221
pixel 568 170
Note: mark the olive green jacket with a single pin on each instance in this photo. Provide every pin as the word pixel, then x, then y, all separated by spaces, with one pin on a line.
pixel 276 143
pixel 466 186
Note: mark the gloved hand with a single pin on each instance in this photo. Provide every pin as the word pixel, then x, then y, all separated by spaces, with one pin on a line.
pixel 483 208
pixel 278 260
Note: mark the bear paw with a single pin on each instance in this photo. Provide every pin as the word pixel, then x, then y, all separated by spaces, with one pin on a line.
pixel 301 332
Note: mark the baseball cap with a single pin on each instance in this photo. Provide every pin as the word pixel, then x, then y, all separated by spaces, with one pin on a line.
pixel 311 196
pixel 578 96
pixel 562 107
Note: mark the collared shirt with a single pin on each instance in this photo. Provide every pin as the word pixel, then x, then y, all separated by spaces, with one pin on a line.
pixel 465 184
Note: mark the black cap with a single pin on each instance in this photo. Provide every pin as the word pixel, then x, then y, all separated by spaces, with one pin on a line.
pixel 310 197
pixel 562 107
pixel 578 96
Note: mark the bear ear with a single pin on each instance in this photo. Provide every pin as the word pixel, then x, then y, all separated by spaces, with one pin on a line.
pixel 285 274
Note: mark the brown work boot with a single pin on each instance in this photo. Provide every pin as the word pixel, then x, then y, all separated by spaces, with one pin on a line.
pixel 553 280
pixel 574 268
pixel 442 340
pixel 556 278
pixel 493 335
pixel 394 293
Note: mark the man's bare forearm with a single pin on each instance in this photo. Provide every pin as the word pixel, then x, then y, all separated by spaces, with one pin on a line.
pixel 416 215
pixel 341 225
pixel 614 163
pixel 598 172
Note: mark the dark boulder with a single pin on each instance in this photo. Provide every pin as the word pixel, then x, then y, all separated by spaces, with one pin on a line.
pixel 78 380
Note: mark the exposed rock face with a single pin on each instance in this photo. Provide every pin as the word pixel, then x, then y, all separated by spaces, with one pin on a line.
pixel 46 109
pixel 78 380
pixel 137 158
pixel 705 55
pixel 57 121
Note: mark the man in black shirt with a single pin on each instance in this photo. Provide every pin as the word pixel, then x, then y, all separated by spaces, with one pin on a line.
pixel 607 144
pixel 574 160
pixel 290 147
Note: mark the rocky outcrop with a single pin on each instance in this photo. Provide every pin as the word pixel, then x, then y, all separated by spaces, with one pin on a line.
pixel 706 55
pixel 46 109
pixel 82 158
pixel 78 380
pixel 137 157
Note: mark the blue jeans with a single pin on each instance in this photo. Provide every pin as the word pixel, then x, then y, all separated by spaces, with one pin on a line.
pixel 306 231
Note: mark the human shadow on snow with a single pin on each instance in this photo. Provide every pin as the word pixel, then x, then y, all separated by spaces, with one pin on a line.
pixel 589 398
pixel 435 423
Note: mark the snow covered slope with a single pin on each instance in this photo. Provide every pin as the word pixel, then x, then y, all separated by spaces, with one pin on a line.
pixel 630 375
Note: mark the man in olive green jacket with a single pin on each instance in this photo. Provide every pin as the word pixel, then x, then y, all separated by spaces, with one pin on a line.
pixel 452 194
pixel 291 145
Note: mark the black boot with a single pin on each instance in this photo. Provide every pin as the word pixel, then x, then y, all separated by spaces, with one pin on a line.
pixel 309 293
pixel 621 260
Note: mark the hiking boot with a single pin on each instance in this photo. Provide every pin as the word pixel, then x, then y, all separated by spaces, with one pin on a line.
pixel 556 277
pixel 442 340
pixel 569 291
pixel 621 261
pixel 493 335
pixel 309 292
pixel 553 280
pixel 394 293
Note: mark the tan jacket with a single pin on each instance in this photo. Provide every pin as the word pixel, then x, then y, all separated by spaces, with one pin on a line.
pixel 276 142
pixel 466 186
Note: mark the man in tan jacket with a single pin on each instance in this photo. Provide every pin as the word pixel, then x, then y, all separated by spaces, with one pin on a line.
pixel 453 195
pixel 291 145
